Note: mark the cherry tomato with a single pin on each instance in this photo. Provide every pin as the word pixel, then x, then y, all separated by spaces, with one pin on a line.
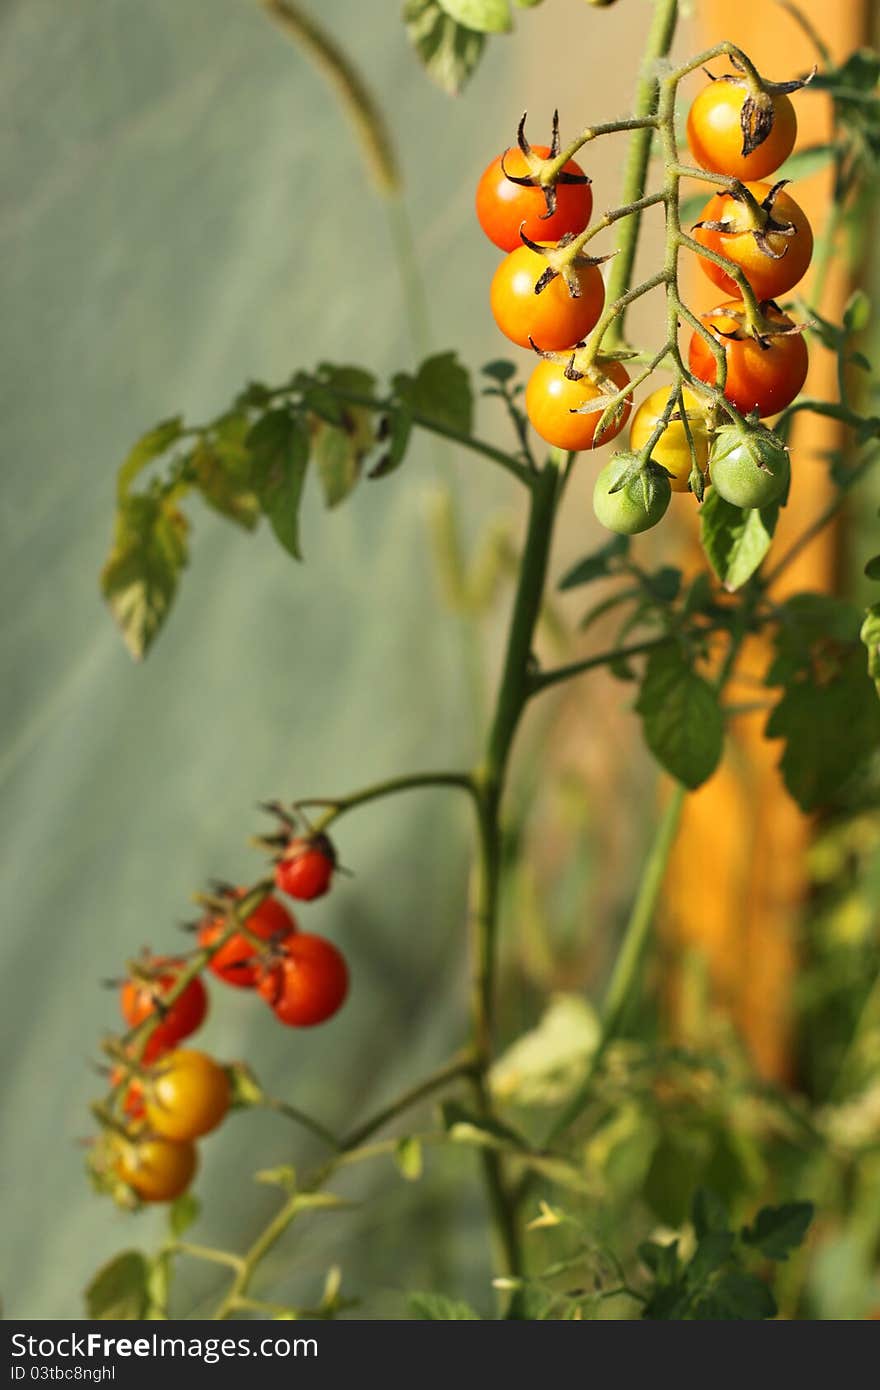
pixel 157 1169
pixel 765 379
pixel 139 999
pixel 734 469
pixel 186 1096
pixel 305 870
pixel 553 319
pixel 309 982
pixel 715 135
pixel 672 450
pixel 503 206
pixel 237 961
pixel 551 397
pixel 769 275
pixel 625 511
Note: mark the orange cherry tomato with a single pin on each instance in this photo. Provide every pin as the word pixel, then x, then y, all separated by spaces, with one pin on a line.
pixel 715 136
pixel 237 960
pixel 551 397
pixel 503 206
pixel 186 1096
pixel 553 319
pixel 158 1170
pixel 769 275
pixel 762 379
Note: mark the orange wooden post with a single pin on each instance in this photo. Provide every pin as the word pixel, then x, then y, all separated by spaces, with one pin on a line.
pixel 737 878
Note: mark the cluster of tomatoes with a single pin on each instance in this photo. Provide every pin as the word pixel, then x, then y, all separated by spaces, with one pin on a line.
pixel 549 296
pixel 171 1096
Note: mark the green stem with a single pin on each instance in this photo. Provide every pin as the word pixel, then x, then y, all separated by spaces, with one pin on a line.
pixel 338 806
pixel 659 42
pixel 543 680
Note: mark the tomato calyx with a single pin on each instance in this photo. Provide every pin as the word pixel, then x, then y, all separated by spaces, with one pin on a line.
pixel 760 221
pixel 762 445
pixel 763 331
pixel 542 172
pixel 758 114
pixel 563 260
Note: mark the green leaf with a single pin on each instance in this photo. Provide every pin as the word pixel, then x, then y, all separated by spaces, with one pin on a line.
pixel 486 16
pixel 682 719
pixel 119 1289
pixel 595 565
pixel 337 461
pixel 140 577
pixel 221 487
pixel 408 1157
pixel 449 52
pixel 872 568
pixel 661 1259
pixel 776 1231
pixel 148 447
pixel 713 1250
pixel 545 1065
pixel 870 636
pixel 857 314
pixel 708 1212
pixel 398 431
pixel 440 392
pixel 279 443
pixel 500 370
pixel 736 1296
pixel 820 663
pixel 183 1213
pixel 436 1307
pixel 735 540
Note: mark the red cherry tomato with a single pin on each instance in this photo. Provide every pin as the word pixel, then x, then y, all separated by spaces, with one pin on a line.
pixel 554 319
pixel 237 961
pixel 551 399
pixel 714 132
pixel 768 276
pixel 765 379
pixel 308 983
pixel 140 999
pixel 503 206
pixel 305 870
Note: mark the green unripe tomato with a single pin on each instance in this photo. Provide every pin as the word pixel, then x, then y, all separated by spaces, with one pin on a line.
pixel 626 511
pixel 749 466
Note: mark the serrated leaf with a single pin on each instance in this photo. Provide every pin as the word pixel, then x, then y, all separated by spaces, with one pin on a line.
pixel 776 1231
pixel 681 716
pixel 408 1157
pixel 735 540
pixel 440 392
pixel 279 445
pixel 545 1065
pixel 436 1307
pixel 449 52
pixel 595 565
pixel 119 1290
pixel 140 577
pixel 486 16
pixel 150 446
pixel 183 1213
pixel 736 1296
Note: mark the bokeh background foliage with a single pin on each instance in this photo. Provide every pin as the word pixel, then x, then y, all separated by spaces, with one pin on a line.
pixel 186 210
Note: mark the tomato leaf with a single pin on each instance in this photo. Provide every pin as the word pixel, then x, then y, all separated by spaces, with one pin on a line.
pixel 140 577
pixel 449 51
pixel 682 719
pixel 217 476
pixel 398 430
pixel 279 443
pixel 776 1231
pixel 595 565
pixel 436 1307
pixel 440 392
pixel 486 16
pixel 870 636
pixel 735 540
pixel 337 461
pixel 150 446
pixel 408 1157
pixel 820 664
pixel 119 1289
pixel 183 1213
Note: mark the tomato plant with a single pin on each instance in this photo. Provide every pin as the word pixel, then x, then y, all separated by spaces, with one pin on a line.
pixel 596 1126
